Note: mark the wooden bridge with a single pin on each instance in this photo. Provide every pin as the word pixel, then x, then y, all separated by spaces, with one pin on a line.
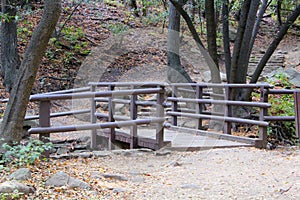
pixel 161 125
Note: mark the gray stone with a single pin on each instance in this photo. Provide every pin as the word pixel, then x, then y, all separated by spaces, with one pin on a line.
pixel 163 152
pixel 294 76
pixel 62 179
pixel 119 177
pixel 61 151
pixel 21 174
pixel 101 154
pixel 190 186
pixel 12 186
pixel 118 190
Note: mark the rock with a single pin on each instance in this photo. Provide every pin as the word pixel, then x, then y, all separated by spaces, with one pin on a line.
pixel 62 179
pixel 12 186
pixel 101 154
pixel 190 186
pixel 294 76
pixel 21 174
pixel 61 151
pixel 118 177
pixel 162 152
pixel 118 190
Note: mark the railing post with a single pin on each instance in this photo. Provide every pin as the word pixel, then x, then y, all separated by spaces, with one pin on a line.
pixel 297 112
pixel 111 108
pixel 228 110
pixel 133 116
pixel 93 119
pixel 160 113
pixel 44 121
pixel 262 113
pixel 174 105
pixel 199 106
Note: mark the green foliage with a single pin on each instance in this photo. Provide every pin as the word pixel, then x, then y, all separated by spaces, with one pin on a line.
pixel 282 105
pixel 117 28
pixel 9 196
pixel 24 154
pixel 73 34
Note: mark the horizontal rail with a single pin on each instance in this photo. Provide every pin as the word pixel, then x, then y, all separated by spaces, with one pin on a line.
pixel 280 91
pixel 56 129
pixel 219 118
pixel 279 118
pixel 127 84
pixel 84 89
pixel 216 85
pixel 75 90
pixel 222 102
pixel 60 114
pixel 95 94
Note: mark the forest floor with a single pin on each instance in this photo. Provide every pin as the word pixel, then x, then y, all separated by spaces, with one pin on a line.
pixel 238 173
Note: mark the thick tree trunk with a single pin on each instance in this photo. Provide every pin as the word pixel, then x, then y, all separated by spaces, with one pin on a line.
pixel 11 127
pixel 244 56
pixel 215 73
pixel 226 40
pixel 10 59
pixel 176 73
pixel 211 31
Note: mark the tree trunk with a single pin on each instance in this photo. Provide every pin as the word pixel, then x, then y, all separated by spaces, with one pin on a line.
pixel 244 56
pixel 226 40
pixel 211 30
pixel 260 15
pixel 280 35
pixel 11 127
pixel 238 41
pixel 176 73
pixel 10 59
pixel 215 73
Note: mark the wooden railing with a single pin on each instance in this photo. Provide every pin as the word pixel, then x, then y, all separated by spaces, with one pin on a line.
pixel 203 94
pixel 199 95
pixel 108 96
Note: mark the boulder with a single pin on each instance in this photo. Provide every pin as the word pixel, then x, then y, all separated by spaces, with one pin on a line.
pixel 12 186
pixel 62 179
pixel 21 174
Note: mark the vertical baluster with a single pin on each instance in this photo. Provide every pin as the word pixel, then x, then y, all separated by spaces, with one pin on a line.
pixel 160 113
pixel 133 116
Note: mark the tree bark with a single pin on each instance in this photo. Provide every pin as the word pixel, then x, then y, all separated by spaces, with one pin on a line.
pixel 260 15
pixel 215 73
pixel 226 40
pixel 211 31
pixel 244 56
pixel 11 127
pixel 10 59
pixel 280 35
pixel 176 73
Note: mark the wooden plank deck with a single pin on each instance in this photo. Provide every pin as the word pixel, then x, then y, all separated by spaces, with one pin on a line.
pixel 177 140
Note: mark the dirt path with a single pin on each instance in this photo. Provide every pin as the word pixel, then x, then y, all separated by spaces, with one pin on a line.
pixel 238 173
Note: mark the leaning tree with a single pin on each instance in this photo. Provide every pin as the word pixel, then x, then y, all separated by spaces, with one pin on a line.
pixel 12 124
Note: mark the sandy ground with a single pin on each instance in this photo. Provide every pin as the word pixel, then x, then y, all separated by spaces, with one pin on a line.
pixel 237 173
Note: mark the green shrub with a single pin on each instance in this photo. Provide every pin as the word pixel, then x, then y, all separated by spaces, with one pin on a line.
pixel 24 154
pixel 282 105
